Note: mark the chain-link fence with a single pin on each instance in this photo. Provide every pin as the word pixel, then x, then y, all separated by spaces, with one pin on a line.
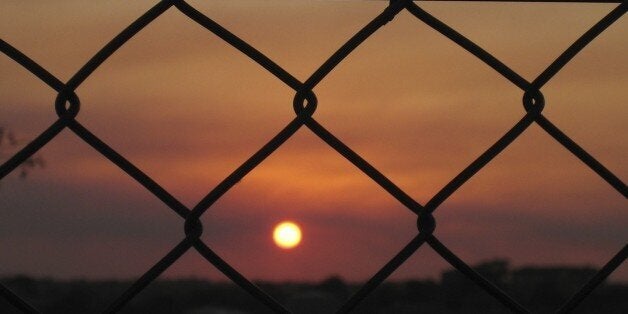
pixel 67 106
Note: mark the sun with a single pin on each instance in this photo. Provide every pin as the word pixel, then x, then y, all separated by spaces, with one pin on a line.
pixel 287 235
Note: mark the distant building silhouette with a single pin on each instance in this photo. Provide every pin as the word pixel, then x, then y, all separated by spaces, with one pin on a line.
pixel 540 289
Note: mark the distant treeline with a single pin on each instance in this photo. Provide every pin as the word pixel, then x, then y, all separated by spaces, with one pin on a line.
pixel 540 289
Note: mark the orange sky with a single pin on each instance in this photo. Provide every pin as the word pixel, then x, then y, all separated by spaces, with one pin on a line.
pixel 188 109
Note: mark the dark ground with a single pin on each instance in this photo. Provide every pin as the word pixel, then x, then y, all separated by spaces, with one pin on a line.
pixel 541 290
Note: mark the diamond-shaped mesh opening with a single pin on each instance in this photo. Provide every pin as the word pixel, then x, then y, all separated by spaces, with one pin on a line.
pixel 306 182
pixel 205 102
pixel 401 114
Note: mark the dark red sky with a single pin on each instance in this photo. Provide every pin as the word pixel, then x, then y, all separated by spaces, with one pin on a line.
pixel 188 109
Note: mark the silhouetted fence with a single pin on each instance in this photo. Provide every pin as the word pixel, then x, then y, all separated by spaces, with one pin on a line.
pixel 67 106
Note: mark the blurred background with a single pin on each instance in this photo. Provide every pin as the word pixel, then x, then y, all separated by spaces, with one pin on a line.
pixel 187 108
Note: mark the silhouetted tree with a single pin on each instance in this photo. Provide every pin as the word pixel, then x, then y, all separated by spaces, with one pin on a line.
pixel 9 143
pixel 336 287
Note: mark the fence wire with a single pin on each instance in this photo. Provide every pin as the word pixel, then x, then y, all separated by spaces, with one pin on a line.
pixel 67 106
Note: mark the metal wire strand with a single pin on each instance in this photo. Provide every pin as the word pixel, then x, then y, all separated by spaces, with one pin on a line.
pixel 474 276
pixel 149 276
pixel 237 278
pixel 117 42
pixel 40 141
pixel 129 168
pixel 583 155
pixel 601 275
pixel 383 273
pixel 16 301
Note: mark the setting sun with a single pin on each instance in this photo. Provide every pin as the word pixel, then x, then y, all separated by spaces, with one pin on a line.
pixel 287 235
